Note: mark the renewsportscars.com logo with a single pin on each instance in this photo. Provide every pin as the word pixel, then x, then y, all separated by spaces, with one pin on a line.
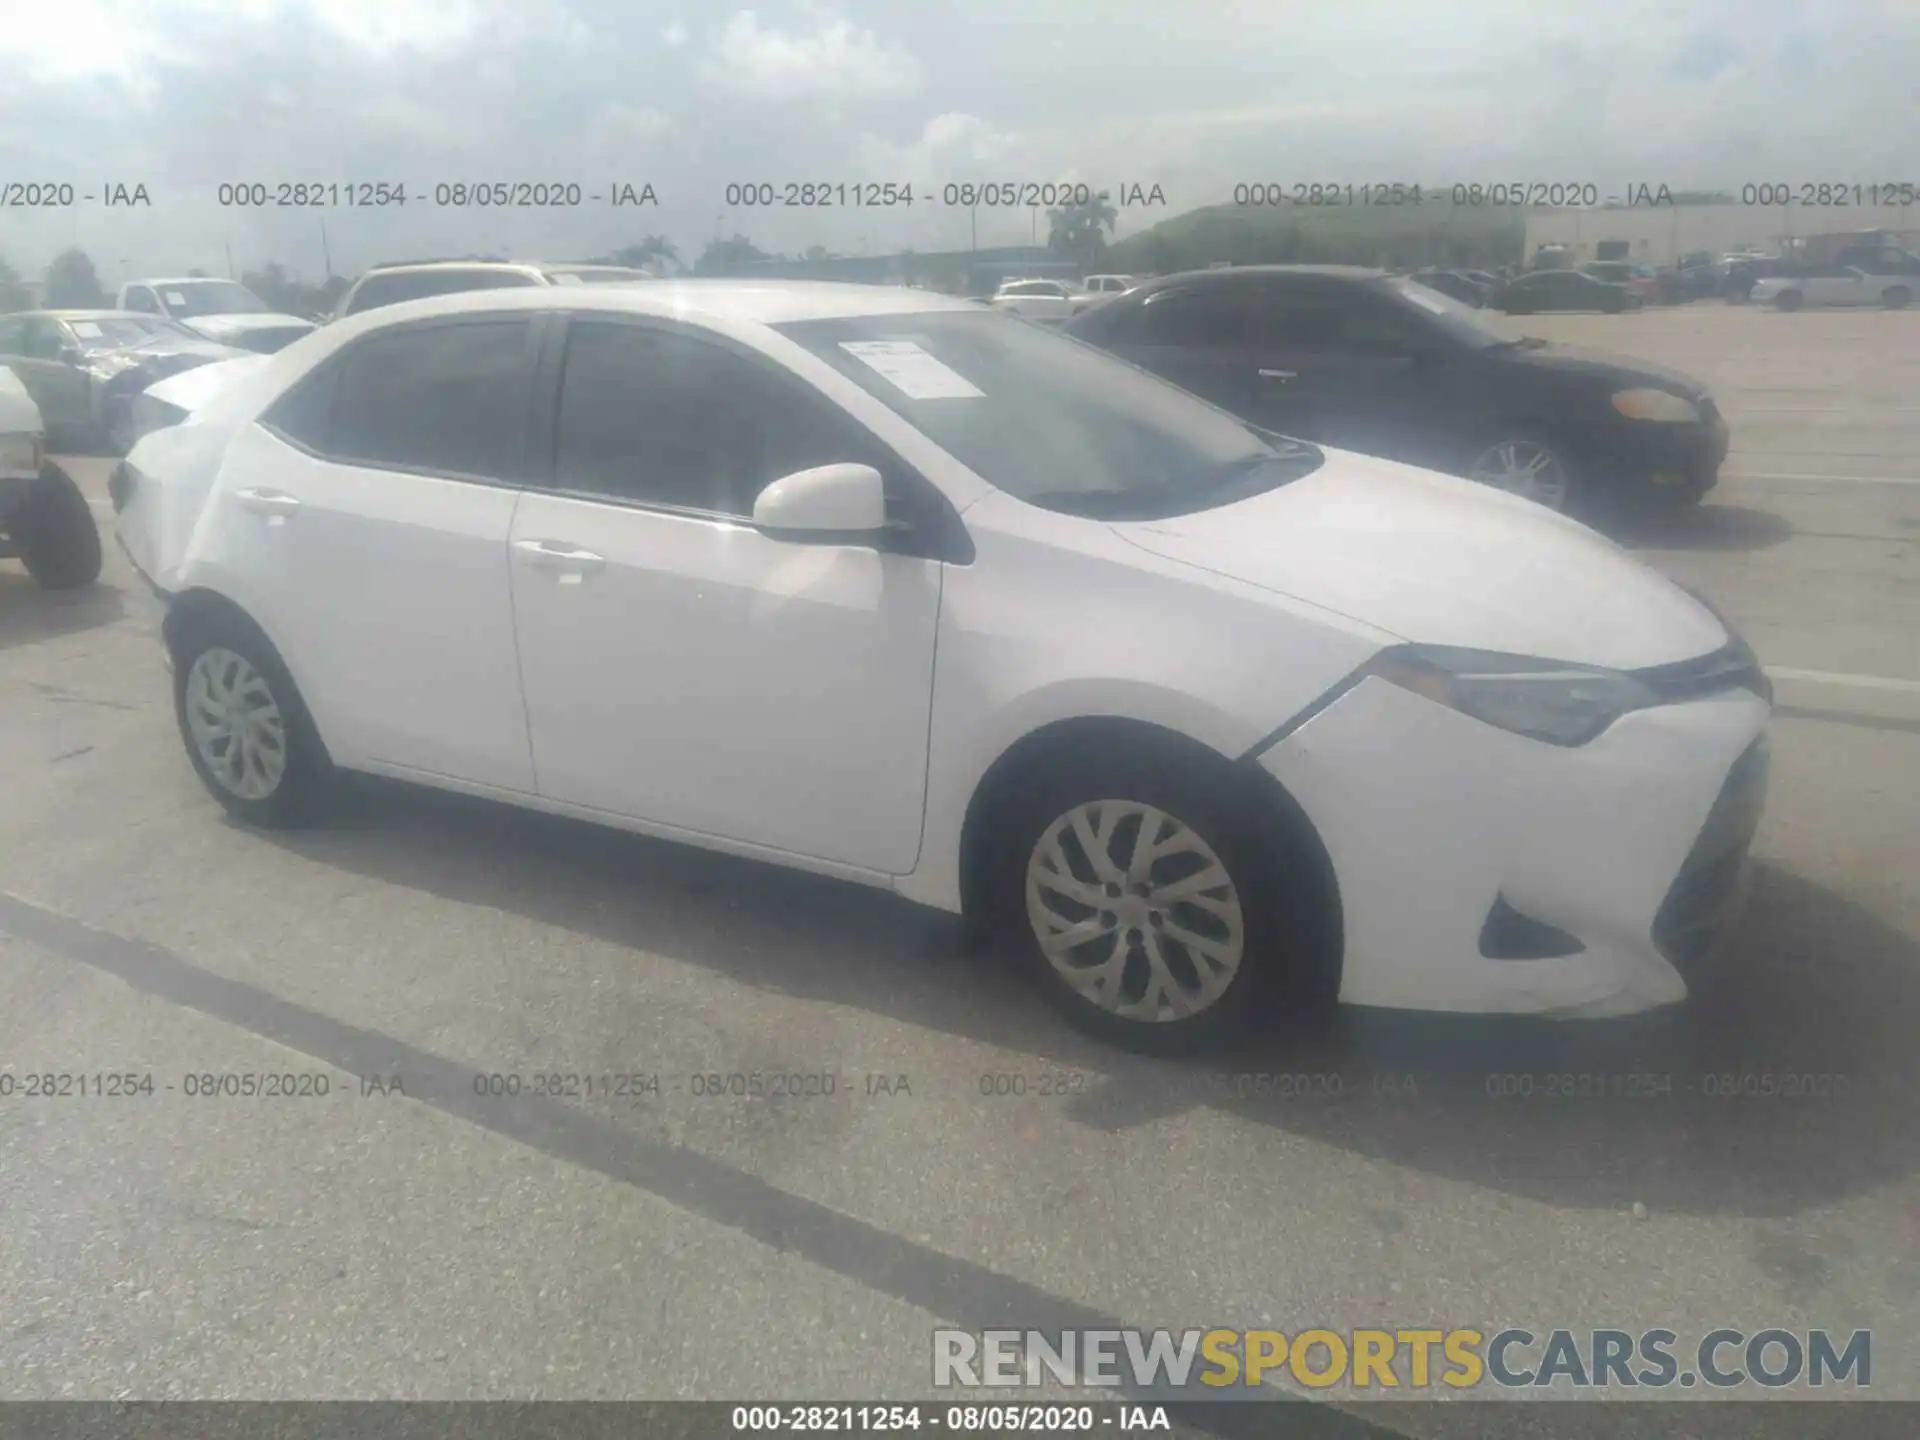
pixel 1209 1361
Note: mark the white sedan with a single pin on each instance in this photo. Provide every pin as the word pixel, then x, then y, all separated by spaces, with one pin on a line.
pixel 882 585
pixel 1834 285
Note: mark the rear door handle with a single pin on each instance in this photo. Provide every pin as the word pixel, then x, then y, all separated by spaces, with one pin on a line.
pixel 1279 375
pixel 276 503
pixel 569 560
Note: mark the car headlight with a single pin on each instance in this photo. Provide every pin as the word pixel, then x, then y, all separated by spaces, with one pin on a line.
pixel 1661 405
pixel 1541 699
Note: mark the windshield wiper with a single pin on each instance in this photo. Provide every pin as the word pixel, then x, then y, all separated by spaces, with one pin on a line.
pixel 1526 342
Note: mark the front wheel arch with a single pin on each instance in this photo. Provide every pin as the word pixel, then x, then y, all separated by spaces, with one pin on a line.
pixel 1271 807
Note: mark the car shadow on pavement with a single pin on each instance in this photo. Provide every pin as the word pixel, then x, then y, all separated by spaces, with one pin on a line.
pixel 1727 528
pixel 29 614
pixel 1693 1110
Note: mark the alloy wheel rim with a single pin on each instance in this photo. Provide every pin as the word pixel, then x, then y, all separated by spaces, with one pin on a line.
pixel 236 725
pixel 1135 911
pixel 1525 468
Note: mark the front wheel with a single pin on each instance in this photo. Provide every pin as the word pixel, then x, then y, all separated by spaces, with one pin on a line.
pixel 1144 904
pixel 54 532
pixel 1531 466
pixel 247 731
pixel 1896 297
pixel 1789 300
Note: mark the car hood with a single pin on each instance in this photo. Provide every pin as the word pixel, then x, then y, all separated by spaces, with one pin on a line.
pixel 173 347
pixel 225 327
pixel 1440 561
pixel 1600 365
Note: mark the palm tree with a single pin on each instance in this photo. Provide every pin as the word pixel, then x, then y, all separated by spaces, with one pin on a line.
pixel 1079 232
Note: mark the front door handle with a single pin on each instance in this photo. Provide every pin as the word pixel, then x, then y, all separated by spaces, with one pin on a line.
pixel 1279 375
pixel 274 503
pixel 569 560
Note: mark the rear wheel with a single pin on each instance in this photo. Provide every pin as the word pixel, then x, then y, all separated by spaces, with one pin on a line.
pixel 246 729
pixel 1789 300
pixel 1140 898
pixel 54 532
pixel 1896 297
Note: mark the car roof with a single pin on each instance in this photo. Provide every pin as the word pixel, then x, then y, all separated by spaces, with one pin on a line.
pixel 766 302
pixel 96 314
pixel 180 280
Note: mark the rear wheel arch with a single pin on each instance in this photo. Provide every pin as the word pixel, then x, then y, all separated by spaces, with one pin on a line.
pixel 1265 802
pixel 192 611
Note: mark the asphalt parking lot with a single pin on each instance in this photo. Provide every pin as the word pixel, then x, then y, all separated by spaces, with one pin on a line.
pixel 444 1243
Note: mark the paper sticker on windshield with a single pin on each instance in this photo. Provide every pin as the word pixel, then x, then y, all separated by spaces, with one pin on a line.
pixel 86 329
pixel 1425 302
pixel 174 297
pixel 915 373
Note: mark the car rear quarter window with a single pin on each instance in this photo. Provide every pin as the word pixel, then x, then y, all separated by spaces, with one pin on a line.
pixel 662 417
pixel 445 398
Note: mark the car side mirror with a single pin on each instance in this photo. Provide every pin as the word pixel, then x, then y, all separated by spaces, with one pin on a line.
pixel 826 505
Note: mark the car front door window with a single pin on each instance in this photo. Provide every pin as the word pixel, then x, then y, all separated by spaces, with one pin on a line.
pixel 685 670
pixel 657 417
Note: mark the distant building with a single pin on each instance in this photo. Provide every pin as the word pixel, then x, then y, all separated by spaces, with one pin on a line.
pixel 1661 234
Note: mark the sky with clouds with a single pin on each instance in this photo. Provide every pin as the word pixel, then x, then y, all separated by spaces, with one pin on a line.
pixel 182 95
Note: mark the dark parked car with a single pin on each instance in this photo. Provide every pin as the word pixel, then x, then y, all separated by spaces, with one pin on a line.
pixel 83 367
pixel 1544 290
pixel 1364 361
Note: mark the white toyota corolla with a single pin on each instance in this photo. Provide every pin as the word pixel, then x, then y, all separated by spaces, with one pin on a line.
pixel 884 585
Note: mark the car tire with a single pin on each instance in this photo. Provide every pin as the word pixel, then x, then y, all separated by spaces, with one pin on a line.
pixel 55 534
pixel 1789 300
pixel 1511 449
pixel 1896 297
pixel 273 770
pixel 1225 950
pixel 117 435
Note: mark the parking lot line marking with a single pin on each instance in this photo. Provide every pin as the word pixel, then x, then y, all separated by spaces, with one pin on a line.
pixel 1858 682
pixel 1824 479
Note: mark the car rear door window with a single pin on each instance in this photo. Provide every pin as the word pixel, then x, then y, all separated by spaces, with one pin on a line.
pixel 665 418
pixel 13 335
pixel 447 397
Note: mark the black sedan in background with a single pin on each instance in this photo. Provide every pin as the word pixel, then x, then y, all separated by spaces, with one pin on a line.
pixel 1543 290
pixel 1364 361
pixel 83 367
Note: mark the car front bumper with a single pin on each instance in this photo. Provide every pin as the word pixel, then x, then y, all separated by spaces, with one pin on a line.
pixel 1663 461
pixel 1631 849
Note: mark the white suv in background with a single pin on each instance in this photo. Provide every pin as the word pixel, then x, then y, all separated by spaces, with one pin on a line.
pixel 1834 285
pixel 417 280
pixel 1110 284
pixel 1051 300
pixel 222 310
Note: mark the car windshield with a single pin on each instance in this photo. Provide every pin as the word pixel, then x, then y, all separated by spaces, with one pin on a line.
pixel 1460 322
pixel 1050 420
pixel 211 297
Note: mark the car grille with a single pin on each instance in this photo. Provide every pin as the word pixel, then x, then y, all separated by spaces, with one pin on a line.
pixel 1732 667
pixel 1696 904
